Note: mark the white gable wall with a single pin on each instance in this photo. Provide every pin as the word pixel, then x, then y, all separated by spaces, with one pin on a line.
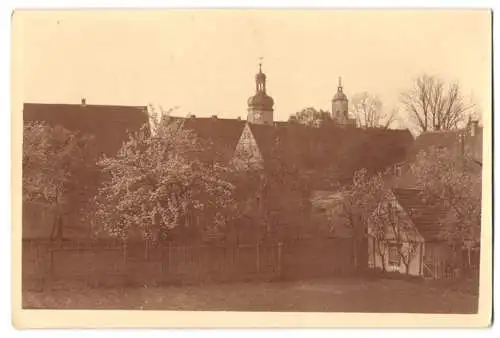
pixel 375 259
pixel 247 154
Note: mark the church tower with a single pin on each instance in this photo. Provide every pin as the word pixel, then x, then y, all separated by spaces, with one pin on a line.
pixel 260 105
pixel 340 105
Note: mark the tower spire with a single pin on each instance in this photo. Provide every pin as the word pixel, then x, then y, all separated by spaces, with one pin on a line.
pixel 260 105
pixel 260 79
pixel 339 88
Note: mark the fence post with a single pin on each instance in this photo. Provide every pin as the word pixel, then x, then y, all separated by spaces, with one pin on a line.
pixel 51 261
pixel 50 278
pixel 236 261
pixel 169 253
pixel 258 257
pixel 124 253
pixel 280 247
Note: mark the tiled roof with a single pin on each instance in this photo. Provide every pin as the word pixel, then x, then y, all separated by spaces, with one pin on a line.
pixel 446 139
pixel 337 150
pixel 426 218
pixel 473 144
pixel 108 124
pixel 224 132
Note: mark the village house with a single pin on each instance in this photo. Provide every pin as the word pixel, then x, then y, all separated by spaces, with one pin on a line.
pixel 433 256
pixel 467 141
pixel 404 233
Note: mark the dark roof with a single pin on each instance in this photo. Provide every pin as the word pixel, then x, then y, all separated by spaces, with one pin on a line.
pixel 377 149
pixel 108 124
pixel 336 149
pixel 446 139
pixel 223 132
pixel 267 138
pixel 473 144
pixel 426 218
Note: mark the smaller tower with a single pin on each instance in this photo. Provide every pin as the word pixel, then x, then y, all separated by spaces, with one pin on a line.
pixel 260 105
pixel 340 105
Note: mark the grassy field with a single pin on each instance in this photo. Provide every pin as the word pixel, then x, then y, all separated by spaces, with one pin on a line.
pixel 325 295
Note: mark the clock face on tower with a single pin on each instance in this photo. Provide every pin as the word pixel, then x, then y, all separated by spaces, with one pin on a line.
pixel 257 116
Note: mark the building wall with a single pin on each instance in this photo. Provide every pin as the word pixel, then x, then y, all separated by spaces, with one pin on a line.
pixel 375 260
pixel 247 154
pixel 340 111
pixel 259 116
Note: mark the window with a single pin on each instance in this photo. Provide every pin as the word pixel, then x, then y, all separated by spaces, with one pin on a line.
pixel 394 258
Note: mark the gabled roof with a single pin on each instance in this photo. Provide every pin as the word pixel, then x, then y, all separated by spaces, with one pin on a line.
pixel 267 138
pixel 108 124
pixel 426 218
pixel 473 143
pixel 337 150
pixel 445 139
pixel 223 132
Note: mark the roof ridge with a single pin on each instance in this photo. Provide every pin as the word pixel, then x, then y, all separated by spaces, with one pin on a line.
pixel 86 105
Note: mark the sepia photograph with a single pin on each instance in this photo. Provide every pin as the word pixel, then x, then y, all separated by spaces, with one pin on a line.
pixel 243 162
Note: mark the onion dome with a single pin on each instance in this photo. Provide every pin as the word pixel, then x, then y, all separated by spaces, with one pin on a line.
pixel 261 100
pixel 339 95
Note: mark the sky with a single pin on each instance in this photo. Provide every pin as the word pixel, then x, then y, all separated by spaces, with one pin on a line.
pixel 204 62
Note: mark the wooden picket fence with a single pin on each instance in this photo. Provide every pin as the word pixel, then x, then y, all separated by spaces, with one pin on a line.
pixel 111 264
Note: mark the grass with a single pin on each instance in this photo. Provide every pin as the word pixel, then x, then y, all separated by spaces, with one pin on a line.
pixel 322 295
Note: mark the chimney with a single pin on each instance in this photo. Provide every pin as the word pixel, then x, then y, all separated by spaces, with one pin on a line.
pixel 239 118
pixel 192 116
pixel 84 101
pixel 214 117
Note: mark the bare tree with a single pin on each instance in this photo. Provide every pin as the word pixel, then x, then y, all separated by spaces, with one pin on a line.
pixel 433 106
pixel 368 110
